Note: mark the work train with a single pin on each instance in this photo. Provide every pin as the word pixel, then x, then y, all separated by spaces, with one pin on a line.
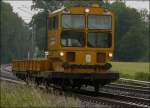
pixel 80 48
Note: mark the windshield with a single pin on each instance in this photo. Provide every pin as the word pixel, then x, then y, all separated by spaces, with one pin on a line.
pixel 73 21
pixel 72 39
pixel 99 40
pixel 99 22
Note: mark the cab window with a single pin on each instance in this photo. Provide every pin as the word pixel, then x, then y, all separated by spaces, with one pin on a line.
pixel 99 40
pixel 99 22
pixel 73 21
pixel 72 39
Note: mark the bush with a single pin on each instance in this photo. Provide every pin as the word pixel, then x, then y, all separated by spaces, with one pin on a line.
pixel 124 75
pixel 138 76
pixel 142 76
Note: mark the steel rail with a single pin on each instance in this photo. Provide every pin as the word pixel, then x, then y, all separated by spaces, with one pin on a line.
pixel 12 81
pixel 114 101
pixel 135 81
pixel 110 102
pixel 142 90
pixel 125 98
pixel 129 89
pixel 131 86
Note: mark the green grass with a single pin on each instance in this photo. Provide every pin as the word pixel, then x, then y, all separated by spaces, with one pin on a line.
pixel 22 96
pixel 134 70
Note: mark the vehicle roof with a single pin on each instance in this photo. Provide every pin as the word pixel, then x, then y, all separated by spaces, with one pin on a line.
pixel 76 7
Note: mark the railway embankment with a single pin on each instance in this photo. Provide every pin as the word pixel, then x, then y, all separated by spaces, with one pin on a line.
pixel 123 93
pixel 19 96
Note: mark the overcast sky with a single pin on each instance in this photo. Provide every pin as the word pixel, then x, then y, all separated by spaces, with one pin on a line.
pixel 23 7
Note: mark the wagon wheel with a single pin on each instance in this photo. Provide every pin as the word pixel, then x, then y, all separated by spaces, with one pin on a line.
pixel 72 84
pixel 37 82
pixel 27 79
pixel 63 86
pixel 47 84
pixel 34 81
pixel 75 85
pixel 79 87
pixel 96 88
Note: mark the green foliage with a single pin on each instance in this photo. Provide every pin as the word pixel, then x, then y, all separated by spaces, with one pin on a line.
pixel 56 4
pixel 40 23
pixel 15 35
pixel 131 34
pixel 142 76
pixel 68 3
pixel 138 76
pixel 133 46
pixel 47 4
pixel 132 70
pixel 123 75
pixel 130 67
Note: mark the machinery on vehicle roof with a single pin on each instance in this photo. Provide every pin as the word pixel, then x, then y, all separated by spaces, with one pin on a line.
pixel 80 47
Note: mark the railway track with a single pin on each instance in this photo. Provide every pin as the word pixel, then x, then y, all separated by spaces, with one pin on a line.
pixel 13 81
pixel 109 99
pixel 133 82
pixel 131 86
pixel 102 98
pixel 128 90
pixel 114 95
pixel 112 102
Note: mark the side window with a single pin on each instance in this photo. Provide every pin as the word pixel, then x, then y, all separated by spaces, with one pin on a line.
pixel 53 22
pixel 50 23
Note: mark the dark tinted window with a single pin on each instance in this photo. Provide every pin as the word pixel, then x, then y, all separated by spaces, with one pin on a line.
pixel 73 21
pixel 72 39
pixel 53 22
pixel 99 22
pixel 99 40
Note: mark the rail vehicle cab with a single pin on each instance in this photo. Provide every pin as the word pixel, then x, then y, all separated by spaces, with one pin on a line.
pixel 80 47
pixel 81 39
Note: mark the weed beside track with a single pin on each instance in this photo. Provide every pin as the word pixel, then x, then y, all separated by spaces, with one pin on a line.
pixel 13 95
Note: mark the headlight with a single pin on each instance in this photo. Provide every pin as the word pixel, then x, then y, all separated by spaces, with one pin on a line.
pixel 110 54
pixel 61 54
pixel 87 10
pixel 46 53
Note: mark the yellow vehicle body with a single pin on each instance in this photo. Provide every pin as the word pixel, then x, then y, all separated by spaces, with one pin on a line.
pixel 80 47
pixel 34 65
pixel 54 45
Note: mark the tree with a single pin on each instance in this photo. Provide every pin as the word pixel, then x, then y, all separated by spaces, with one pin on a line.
pixel 15 35
pixel 130 29
pixel 133 45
